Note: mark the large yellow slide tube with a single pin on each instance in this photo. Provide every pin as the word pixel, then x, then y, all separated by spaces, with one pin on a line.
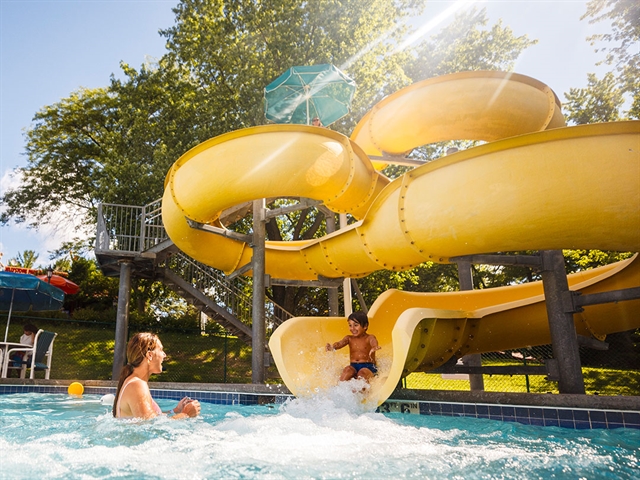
pixel 535 191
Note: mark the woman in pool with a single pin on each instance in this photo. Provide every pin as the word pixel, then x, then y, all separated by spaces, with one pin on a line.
pixel 133 398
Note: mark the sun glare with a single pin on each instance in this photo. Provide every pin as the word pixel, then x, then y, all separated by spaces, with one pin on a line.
pixel 412 38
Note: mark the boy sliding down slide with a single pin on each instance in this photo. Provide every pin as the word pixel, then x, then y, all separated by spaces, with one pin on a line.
pixel 362 349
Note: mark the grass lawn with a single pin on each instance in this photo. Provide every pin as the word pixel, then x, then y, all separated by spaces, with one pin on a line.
pixel 597 381
pixel 85 352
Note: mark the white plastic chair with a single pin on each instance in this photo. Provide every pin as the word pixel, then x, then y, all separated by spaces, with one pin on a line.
pixel 41 355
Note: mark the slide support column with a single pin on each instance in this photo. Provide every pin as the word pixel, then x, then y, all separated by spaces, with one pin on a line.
pixel 332 292
pixel 476 380
pixel 258 333
pixel 564 340
pixel 122 320
pixel 346 284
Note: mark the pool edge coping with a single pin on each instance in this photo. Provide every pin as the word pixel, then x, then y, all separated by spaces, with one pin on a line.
pixel 560 410
pixel 618 402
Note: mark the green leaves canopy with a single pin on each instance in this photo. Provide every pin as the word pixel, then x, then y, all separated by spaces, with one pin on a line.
pixel 622 52
pixel 115 144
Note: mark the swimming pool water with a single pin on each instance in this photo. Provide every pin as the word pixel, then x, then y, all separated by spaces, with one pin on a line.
pixel 61 436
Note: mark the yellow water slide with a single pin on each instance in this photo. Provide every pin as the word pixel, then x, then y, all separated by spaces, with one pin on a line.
pixel 534 185
pixel 421 331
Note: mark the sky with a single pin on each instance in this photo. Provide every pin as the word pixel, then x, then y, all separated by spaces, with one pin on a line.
pixel 50 48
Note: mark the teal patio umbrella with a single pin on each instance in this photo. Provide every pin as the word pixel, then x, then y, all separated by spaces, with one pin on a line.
pixel 302 93
pixel 22 293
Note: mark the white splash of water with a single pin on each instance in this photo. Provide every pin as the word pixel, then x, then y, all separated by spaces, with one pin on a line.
pixel 333 435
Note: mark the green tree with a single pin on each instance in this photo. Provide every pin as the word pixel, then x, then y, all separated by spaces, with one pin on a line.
pixel 111 145
pixel 232 50
pixel 25 259
pixel 466 44
pixel 599 102
pixel 578 260
pixel 97 292
pixel 66 150
pixel 622 51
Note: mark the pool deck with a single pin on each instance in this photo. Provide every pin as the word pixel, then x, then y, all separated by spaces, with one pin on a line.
pixel 560 410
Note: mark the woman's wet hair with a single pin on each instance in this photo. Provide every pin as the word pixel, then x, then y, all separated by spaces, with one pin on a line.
pixel 361 318
pixel 137 349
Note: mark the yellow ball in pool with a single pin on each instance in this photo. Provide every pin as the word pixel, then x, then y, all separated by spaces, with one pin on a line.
pixel 75 388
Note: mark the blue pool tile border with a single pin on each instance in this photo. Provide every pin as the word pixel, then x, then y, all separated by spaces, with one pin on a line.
pixel 214 397
pixel 575 418
pixel 565 417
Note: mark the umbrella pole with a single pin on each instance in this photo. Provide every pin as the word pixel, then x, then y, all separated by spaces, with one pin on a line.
pixel 6 332
pixel 308 123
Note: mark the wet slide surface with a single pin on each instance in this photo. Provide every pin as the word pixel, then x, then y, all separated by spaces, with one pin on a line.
pixel 534 185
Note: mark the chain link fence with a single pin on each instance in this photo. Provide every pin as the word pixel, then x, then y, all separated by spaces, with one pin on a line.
pixel 615 371
pixel 83 350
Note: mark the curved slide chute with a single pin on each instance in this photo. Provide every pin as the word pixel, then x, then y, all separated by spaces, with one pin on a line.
pixel 422 331
pixel 537 185
pixel 484 106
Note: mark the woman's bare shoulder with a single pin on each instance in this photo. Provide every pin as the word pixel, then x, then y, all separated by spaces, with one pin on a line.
pixel 136 386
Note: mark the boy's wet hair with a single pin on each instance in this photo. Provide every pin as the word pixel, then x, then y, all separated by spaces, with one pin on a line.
pixel 30 327
pixel 361 318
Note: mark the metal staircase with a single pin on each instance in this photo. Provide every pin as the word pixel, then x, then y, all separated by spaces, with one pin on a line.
pixel 136 235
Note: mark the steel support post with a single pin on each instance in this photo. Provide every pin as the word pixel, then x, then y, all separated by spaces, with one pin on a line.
pixel 476 381
pixel 564 340
pixel 346 284
pixel 122 320
pixel 332 293
pixel 356 289
pixel 258 333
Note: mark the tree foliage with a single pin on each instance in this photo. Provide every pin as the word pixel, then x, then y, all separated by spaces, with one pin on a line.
pixel 111 145
pixel 25 259
pixel 232 50
pixel 579 260
pixel 599 102
pixel 466 44
pixel 97 292
pixel 622 51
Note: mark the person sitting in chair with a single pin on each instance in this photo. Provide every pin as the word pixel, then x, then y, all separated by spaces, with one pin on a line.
pixel 28 337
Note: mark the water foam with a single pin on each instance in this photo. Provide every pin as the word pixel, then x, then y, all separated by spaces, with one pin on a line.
pixel 333 435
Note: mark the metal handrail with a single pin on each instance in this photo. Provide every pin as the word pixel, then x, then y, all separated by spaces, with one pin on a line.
pixel 119 228
pixel 234 295
pixel 153 232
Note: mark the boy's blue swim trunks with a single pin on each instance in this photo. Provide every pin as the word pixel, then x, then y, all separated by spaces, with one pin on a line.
pixel 360 366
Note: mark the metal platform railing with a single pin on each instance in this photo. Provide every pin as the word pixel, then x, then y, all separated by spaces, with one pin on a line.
pixel 128 228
